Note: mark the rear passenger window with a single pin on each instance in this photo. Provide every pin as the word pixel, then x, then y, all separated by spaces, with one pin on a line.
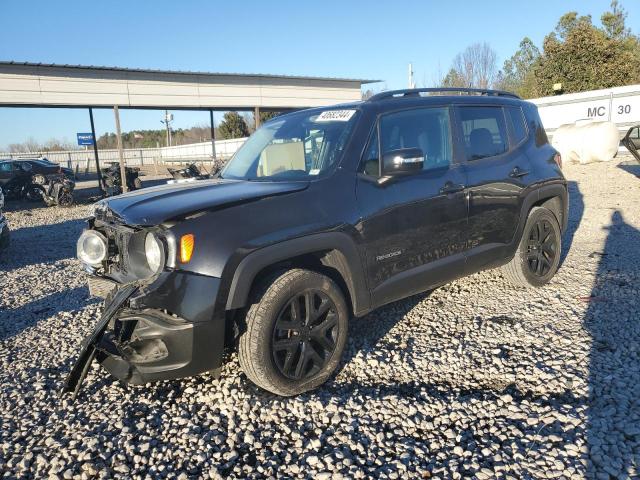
pixel 484 131
pixel 518 126
pixel 425 128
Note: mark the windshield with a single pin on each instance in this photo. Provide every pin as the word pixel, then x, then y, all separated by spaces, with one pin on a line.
pixel 297 146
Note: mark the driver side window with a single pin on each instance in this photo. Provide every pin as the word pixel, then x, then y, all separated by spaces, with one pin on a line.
pixel 426 129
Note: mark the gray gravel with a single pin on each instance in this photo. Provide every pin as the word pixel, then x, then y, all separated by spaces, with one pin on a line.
pixel 475 379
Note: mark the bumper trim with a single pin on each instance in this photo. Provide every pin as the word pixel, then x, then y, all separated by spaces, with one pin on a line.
pixel 78 372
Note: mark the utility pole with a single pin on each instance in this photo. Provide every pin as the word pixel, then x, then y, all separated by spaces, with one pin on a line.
pixel 411 82
pixel 123 172
pixel 168 118
pixel 213 136
pixel 95 152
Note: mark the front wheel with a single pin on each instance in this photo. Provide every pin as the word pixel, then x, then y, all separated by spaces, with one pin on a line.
pixel 296 330
pixel 538 256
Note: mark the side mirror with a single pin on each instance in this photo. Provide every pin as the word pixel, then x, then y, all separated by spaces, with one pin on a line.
pixel 402 161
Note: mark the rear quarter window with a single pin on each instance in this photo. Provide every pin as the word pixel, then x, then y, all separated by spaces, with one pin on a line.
pixel 518 126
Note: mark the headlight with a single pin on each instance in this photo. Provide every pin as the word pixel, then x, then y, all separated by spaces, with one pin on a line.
pixel 153 252
pixel 92 247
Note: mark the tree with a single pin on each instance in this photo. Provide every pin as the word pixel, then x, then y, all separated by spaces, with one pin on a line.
pixel 583 57
pixel 453 79
pixel 518 71
pixel 266 116
pixel 613 22
pixel 475 67
pixel 233 126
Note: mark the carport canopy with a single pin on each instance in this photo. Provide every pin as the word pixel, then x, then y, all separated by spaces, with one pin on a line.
pixel 24 84
pixel 51 85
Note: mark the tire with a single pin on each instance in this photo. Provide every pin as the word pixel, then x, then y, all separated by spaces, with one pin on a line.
pixel 286 356
pixel 34 193
pixel 65 200
pixel 137 184
pixel 538 256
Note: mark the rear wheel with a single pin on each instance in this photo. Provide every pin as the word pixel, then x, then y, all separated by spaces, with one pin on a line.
pixel 538 256
pixel 296 330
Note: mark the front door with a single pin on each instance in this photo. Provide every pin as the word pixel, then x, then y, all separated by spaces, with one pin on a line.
pixel 498 171
pixel 413 227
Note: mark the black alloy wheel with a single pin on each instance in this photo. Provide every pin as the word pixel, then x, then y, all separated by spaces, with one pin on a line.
pixel 541 248
pixel 305 334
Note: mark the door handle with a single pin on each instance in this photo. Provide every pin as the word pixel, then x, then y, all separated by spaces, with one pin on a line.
pixel 517 173
pixel 450 188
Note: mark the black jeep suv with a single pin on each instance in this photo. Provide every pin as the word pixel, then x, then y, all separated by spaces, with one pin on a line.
pixel 323 214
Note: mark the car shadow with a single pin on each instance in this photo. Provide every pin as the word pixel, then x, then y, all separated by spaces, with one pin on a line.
pixel 613 320
pixel 576 211
pixel 633 169
pixel 15 320
pixel 40 244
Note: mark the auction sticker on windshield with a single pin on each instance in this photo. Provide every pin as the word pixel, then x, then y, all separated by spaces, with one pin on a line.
pixel 335 116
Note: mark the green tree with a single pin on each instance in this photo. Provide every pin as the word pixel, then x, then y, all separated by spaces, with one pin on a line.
pixel 266 116
pixel 453 80
pixel 518 71
pixel 613 22
pixel 233 126
pixel 583 57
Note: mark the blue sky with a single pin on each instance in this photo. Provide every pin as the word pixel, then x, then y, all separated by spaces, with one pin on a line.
pixel 353 39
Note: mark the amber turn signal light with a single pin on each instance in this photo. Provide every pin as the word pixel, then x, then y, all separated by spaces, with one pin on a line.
pixel 187 243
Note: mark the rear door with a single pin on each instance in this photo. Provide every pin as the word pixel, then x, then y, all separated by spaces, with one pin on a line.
pixel 413 227
pixel 497 168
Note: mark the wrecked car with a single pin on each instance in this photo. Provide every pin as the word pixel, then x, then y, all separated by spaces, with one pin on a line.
pixel 322 215
pixel 4 227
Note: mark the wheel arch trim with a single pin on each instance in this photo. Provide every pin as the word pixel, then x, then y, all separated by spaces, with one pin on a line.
pixel 349 266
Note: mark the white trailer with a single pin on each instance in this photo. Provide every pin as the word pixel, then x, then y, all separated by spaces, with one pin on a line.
pixel 620 105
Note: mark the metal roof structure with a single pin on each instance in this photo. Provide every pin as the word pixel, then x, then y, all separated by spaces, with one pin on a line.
pixel 56 85
pixel 182 72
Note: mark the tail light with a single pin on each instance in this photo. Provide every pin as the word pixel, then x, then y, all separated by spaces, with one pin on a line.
pixel 558 159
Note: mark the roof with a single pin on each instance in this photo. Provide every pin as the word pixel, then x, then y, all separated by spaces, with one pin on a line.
pixel 179 72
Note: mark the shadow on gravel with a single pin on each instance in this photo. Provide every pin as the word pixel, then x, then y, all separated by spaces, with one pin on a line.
pixel 13 321
pixel 613 319
pixel 41 244
pixel 367 332
pixel 633 169
pixel 576 210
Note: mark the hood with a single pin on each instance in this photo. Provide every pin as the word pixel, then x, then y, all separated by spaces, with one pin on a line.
pixel 156 205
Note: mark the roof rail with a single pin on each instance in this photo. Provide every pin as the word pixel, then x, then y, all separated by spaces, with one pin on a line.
pixel 415 92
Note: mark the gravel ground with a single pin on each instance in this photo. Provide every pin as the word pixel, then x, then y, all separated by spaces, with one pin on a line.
pixel 475 379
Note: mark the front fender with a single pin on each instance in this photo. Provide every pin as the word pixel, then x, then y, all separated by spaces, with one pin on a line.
pixel 348 263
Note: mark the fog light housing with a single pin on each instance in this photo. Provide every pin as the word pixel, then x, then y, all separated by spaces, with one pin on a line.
pixel 91 247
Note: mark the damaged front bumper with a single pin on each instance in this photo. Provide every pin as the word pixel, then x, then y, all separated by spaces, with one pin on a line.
pixel 164 330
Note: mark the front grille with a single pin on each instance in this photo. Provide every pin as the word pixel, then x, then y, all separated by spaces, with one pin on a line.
pixel 118 237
